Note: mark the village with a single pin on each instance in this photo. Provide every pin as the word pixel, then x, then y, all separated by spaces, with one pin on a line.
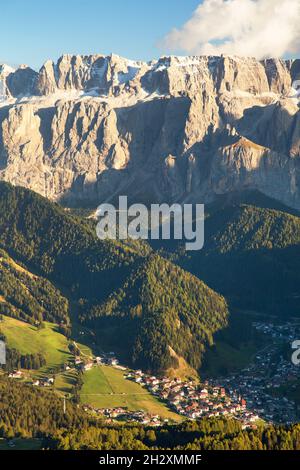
pixel 265 383
pixel 193 400
pixel 250 396
pixel 190 399
pixel 45 382
pixel 187 398
pixel 122 414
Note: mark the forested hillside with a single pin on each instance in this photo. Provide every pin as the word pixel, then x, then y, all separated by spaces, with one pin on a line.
pixel 29 297
pixel 28 412
pixel 251 256
pixel 161 306
pixel 58 245
pixel 136 302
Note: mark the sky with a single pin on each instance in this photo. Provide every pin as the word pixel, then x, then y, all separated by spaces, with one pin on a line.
pixel 33 31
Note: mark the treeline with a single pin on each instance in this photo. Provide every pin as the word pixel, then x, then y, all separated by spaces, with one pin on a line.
pixel 29 412
pixel 16 360
pixel 77 387
pixel 207 434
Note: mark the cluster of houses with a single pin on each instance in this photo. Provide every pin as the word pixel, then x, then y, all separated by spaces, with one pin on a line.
pixel 86 364
pixel 44 382
pixel 266 381
pixel 283 332
pixel 194 401
pixel 252 394
pixel 47 382
pixel 122 414
pixel 16 374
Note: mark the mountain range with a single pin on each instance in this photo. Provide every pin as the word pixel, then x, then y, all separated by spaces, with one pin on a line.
pixel 89 128
pixel 220 130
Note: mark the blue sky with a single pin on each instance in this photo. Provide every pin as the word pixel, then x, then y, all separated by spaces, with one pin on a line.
pixel 35 30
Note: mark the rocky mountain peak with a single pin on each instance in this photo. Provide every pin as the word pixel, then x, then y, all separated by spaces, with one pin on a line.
pixel 86 128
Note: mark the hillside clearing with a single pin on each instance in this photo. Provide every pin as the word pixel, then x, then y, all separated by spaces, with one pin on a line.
pixel 27 339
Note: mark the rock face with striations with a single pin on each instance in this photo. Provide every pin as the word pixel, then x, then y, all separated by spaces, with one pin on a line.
pixel 89 128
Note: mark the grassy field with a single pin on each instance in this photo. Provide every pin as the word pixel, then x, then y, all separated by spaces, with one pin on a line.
pixel 21 444
pixel 223 358
pixel 65 381
pixel 27 339
pixel 106 387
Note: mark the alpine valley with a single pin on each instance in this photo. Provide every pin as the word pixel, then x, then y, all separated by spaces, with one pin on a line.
pixel 140 331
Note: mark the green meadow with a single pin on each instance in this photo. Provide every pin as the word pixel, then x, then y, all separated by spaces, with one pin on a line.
pixel 21 444
pixel 28 339
pixel 106 387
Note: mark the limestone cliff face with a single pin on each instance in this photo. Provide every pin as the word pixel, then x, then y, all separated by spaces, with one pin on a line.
pixel 89 128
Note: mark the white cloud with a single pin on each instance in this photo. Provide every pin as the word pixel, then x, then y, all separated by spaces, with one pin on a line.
pixel 259 28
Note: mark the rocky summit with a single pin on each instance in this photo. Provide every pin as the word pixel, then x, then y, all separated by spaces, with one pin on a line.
pixel 88 128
